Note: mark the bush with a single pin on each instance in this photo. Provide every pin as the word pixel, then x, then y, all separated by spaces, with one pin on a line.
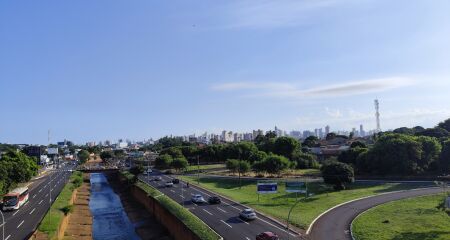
pixel 232 165
pixel 67 209
pixel 337 173
pixel 163 161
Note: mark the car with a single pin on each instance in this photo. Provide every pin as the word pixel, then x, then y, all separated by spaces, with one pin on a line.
pixel 248 214
pixel 176 180
pixel 214 200
pixel 169 184
pixel 197 198
pixel 149 170
pixel 158 178
pixel 267 236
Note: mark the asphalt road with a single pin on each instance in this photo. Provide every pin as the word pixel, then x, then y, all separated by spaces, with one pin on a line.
pixel 21 223
pixel 335 224
pixel 224 217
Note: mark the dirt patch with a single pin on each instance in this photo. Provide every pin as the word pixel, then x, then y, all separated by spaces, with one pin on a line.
pixel 80 220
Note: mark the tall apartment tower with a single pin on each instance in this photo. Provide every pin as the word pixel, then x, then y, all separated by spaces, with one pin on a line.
pixel 377 115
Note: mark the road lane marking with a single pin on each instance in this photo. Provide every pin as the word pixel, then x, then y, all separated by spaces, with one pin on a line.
pixel 221 210
pixel 276 227
pixel 34 195
pixel 20 223
pixel 226 224
pixel 7 237
pixel 32 211
pixel 40 202
pixel 232 206
pixel 40 190
pixel 46 195
pixel 14 214
pixel 172 191
pixel 207 212
pixel 182 196
pixel 243 221
pixel 247 238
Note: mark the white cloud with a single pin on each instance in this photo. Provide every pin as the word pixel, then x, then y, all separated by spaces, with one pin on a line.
pixel 287 90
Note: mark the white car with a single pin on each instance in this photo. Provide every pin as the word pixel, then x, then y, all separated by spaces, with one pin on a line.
pixel 248 214
pixel 169 184
pixel 197 198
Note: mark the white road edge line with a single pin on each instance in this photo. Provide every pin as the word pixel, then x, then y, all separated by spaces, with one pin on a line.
pixel 226 224
pixel 284 230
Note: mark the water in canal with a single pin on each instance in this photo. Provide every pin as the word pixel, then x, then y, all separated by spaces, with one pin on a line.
pixel 110 220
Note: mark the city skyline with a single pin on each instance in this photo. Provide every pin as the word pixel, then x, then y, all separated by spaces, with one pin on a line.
pixel 150 69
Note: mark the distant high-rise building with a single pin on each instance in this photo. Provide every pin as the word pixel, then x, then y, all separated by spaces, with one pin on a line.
pixel 327 130
pixel 361 131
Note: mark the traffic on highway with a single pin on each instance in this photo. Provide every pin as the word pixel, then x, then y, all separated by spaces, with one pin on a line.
pixel 229 219
pixel 21 222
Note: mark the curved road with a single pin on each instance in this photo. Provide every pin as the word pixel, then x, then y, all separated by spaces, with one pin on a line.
pixel 335 224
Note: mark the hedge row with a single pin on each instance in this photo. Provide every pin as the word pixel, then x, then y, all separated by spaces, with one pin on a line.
pixel 190 220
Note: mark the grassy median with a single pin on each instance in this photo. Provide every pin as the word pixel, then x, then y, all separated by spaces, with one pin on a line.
pixel 190 220
pixel 52 220
pixel 410 219
pixel 278 205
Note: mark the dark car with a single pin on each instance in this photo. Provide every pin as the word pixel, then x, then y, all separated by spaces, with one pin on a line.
pixel 267 236
pixel 157 178
pixel 214 200
pixel 176 180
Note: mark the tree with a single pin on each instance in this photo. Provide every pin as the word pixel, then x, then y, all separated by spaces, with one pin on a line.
pixel 275 164
pixel 311 141
pixel 350 156
pixel 404 130
pixel 431 149
pixel 119 153
pixel 358 144
pixel 304 160
pixel 286 146
pixel 392 154
pixel 163 161
pixel 445 125
pixel 136 170
pixel 83 155
pixel 15 167
pixel 444 158
pixel 337 173
pixel 106 155
pixel 259 167
pixel 436 132
pixel 175 152
pixel 232 165
pixel 179 163
pixel 244 167
pixel 257 156
pixel 246 149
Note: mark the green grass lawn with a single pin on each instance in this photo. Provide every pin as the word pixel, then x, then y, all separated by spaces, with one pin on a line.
pixel 409 219
pixel 278 205
pixel 54 216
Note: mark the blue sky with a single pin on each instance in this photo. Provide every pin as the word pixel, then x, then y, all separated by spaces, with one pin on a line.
pixel 97 70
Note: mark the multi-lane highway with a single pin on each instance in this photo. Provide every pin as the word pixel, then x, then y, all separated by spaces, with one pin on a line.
pixel 223 217
pixel 20 224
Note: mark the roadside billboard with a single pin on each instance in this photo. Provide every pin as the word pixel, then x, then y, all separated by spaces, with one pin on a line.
pixel 295 187
pixel 52 151
pixel 267 187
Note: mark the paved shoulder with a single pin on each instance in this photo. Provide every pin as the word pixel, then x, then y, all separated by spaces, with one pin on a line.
pixel 335 224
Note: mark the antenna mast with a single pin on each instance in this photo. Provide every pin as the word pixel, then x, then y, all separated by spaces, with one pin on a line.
pixel 377 115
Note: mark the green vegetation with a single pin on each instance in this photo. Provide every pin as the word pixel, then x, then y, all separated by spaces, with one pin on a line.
pixel 60 207
pixel 15 167
pixel 277 205
pixel 192 222
pixel 83 155
pixel 409 219
pixel 193 168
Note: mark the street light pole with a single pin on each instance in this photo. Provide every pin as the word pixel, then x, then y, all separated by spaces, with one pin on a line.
pixel 198 171
pixel 289 215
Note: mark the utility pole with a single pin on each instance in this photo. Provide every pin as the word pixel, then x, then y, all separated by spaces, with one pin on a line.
pixel 198 171
pixel 289 215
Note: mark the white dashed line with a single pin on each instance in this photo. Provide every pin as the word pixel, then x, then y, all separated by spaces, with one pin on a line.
pixel 243 221
pixel 14 214
pixel 20 223
pixel 40 190
pixel 207 212
pixel 34 195
pixel 182 196
pixel 7 237
pixel 40 202
pixel 226 224
pixel 46 195
pixel 172 191
pixel 32 211
pixel 247 238
pixel 221 210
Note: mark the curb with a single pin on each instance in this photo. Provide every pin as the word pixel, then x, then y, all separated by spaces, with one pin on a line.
pixel 354 200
